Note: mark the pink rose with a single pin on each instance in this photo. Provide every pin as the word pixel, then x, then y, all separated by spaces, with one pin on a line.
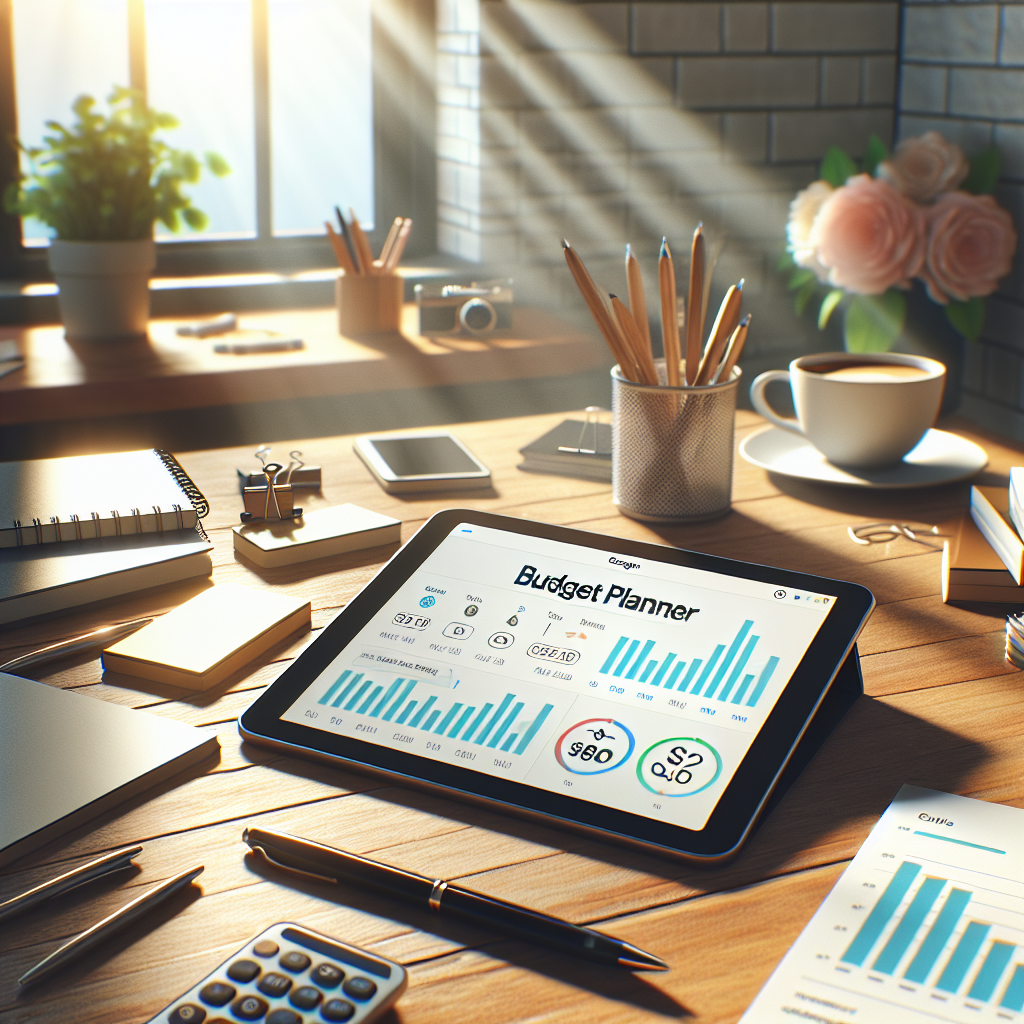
pixel 802 213
pixel 869 236
pixel 971 242
pixel 924 168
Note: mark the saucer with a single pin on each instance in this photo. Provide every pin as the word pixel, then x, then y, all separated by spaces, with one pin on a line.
pixel 939 458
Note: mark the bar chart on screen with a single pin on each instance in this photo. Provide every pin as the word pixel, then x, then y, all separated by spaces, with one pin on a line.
pixel 501 721
pixel 927 922
pixel 719 674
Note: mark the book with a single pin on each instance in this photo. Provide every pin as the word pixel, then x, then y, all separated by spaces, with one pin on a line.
pixel 206 639
pixel 544 454
pixel 66 758
pixel 972 571
pixel 327 531
pixel 86 497
pixel 1016 490
pixel 47 578
pixel 990 511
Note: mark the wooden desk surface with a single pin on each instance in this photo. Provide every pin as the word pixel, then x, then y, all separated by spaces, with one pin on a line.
pixel 76 381
pixel 943 710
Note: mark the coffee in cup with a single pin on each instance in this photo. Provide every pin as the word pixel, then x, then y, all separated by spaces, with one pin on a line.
pixel 858 410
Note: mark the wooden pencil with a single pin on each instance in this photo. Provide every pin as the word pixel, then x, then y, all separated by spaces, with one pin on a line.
pixel 604 322
pixel 362 243
pixel 341 253
pixel 348 240
pixel 669 315
pixel 401 239
pixel 695 305
pixel 385 249
pixel 634 339
pixel 734 351
pixel 725 323
pixel 637 300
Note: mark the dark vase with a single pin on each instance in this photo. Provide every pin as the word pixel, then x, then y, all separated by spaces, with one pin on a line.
pixel 927 332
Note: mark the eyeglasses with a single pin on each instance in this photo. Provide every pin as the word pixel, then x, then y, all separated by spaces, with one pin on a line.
pixel 882 533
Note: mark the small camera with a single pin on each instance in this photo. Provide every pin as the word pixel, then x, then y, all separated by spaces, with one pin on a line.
pixel 475 308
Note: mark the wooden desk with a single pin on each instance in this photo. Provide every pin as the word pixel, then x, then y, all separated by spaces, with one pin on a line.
pixel 943 710
pixel 61 381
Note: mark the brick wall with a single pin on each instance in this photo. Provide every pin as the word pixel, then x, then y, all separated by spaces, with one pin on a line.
pixel 616 122
pixel 963 75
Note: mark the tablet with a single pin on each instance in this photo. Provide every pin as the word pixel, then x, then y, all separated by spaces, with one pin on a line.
pixel 648 694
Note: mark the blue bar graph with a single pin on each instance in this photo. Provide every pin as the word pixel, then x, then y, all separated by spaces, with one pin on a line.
pixel 991 971
pixel 532 731
pixel 631 674
pixel 762 682
pixel 1013 996
pixel 660 674
pixel 503 728
pixel 708 668
pixel 447 720
pixel 733 648
pixel 738 668
pixel 365 706
pixel 357 696
pixel 966 950
pixel 913 918
pixel 881 914
pixel 938 935
pixel 690 673
pixel 334 687
pixel 431 719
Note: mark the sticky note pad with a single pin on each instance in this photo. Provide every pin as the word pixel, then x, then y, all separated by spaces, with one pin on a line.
pixel 327 531
pixel 206 639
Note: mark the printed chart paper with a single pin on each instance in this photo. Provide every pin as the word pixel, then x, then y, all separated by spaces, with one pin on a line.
pixel 925 925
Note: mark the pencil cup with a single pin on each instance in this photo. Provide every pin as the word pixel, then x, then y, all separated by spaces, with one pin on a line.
pixel 368 303
pixel 672 449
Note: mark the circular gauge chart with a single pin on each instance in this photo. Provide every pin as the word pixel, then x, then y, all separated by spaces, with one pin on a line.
pixel 593 746
pixel 681 766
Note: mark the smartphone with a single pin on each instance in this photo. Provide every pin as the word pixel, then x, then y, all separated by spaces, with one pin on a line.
pixel 404 463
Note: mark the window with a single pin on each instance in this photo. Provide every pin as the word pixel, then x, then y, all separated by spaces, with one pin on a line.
pixel 283 89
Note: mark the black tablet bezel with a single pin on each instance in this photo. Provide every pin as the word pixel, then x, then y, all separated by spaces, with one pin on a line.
pixel 739 805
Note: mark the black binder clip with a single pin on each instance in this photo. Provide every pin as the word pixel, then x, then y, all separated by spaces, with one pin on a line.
pixel 270 500
pixel 297 473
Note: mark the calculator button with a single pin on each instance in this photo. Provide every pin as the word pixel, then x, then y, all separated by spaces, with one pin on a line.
pixel 249 1007
pixel 216 993
pixel 305 998
pixel 283 1016
pixel 327 976
pixel 294 962
pixel 359 988
pixel 187 1013
pixel 244 970
pixel 337 1009
pixel 265 948
pixel 274 985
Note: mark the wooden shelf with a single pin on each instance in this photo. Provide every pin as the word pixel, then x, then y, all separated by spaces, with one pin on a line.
pixel 63 380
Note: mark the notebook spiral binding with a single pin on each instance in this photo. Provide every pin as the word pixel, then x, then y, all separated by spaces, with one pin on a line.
pixel 185 482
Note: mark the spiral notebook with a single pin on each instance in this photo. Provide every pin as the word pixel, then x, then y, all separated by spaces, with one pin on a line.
pixel 88 497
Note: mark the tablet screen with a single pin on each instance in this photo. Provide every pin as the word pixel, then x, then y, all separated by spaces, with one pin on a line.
pixel 625 681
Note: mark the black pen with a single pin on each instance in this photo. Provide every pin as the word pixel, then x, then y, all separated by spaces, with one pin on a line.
pixel 331 865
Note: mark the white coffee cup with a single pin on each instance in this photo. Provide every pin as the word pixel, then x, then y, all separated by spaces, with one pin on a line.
pixel 858 409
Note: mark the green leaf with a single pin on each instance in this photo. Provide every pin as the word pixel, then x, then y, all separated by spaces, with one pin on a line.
pixel 874 322
pixel 828 305
pixel 217 164
pixel 875 153
pixel 984 172
pixel 967 317
pixel 195 219
pixel 804 296
pixel 837 167
pixel 785 261
pixel 800 278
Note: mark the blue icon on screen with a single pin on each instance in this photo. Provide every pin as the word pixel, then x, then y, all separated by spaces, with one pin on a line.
pixel 426 602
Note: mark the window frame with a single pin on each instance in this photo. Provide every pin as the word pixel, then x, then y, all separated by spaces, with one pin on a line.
pixel 405 165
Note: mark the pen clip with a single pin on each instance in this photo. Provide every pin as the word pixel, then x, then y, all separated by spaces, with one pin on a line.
pixel 259 852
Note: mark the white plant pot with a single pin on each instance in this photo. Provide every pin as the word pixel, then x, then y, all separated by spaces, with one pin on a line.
pixel 103 287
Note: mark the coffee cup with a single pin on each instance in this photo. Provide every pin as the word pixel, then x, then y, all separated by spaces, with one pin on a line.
pixel 858 409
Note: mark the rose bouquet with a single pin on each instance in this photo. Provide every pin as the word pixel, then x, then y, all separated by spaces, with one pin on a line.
pixel 859 236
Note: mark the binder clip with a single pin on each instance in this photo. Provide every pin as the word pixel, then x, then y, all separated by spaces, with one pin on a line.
pixel 297 473
pixel 588 445
pixel 271 500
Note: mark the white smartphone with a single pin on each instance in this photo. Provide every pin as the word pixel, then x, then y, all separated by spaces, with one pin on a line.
pixel 439 461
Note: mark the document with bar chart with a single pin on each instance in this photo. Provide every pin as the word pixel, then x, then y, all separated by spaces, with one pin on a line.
pixel 635 684
pixel 926 924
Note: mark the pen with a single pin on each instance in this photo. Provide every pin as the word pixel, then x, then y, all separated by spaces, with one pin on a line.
pixel 103 635
pixel 328 864
pixel 102 929
pixel 347 238
pixel 669 318
pixel 115 861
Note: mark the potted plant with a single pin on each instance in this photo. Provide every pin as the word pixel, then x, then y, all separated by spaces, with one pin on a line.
pixel 101 185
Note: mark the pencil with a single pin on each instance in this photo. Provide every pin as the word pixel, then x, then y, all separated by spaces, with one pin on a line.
pixel 341 253
pixel 385 249
pixel 695 304
pixel 634 339
pixel 600 314
pixel 362 243
pixel 637 301
pixel 734 351
pixel 725 323
pixel 399 247
pixel 357 263
pixel 669 316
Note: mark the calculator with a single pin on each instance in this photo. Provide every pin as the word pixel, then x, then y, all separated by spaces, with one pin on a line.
pixel 291 975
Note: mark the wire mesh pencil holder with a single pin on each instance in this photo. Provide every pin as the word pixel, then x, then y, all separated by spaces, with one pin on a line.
pixel 672 449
